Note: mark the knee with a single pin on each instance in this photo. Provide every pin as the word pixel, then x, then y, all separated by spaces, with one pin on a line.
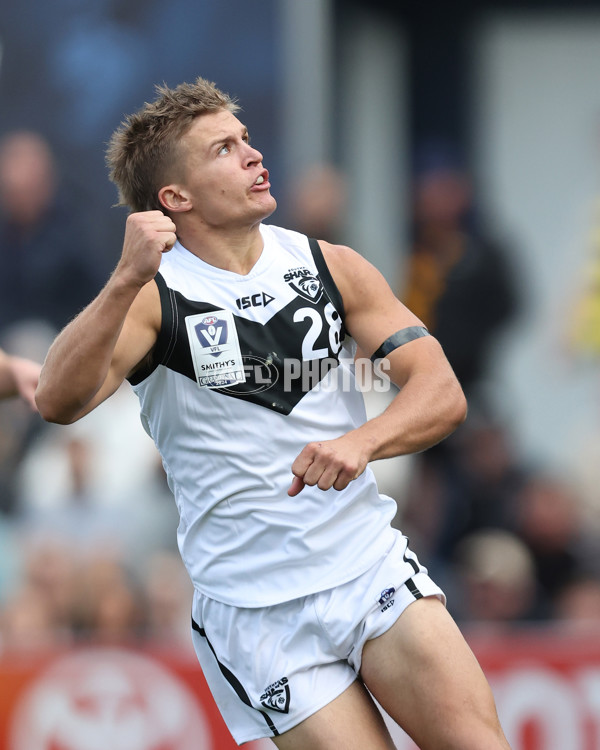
pixel 482 733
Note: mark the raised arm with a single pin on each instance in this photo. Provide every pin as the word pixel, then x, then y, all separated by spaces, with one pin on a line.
pixel 18 377
pixel 90 358
pixel 430 403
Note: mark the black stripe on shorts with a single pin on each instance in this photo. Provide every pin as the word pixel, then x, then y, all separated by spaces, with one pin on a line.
pixel 409 560
pixel 233 680
pixel 410 585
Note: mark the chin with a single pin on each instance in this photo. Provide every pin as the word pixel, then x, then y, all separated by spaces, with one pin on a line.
pixel 268 208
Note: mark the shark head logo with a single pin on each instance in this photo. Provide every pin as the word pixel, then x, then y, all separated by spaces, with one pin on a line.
pixel 277 696
pixel 308 287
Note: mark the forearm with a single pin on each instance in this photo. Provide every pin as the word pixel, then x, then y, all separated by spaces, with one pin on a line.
pixel 423 413
pixel 78 361
pixel 93 354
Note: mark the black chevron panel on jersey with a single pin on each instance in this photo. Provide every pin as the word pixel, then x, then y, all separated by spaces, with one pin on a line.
pixel 277 373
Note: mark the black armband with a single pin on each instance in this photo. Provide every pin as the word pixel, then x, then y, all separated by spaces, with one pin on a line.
pixel 398 339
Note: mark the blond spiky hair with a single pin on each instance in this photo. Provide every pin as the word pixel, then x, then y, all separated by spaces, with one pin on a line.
pixel 143 152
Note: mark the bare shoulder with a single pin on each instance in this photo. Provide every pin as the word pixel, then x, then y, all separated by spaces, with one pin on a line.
pixel 357 278
pixel 373 312
pixel 345 264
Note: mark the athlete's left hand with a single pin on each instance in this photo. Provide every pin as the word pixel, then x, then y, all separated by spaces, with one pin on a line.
pixel 331 463
pixel 26 375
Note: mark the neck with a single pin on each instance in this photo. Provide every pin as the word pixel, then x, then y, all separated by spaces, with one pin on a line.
pixel 233 249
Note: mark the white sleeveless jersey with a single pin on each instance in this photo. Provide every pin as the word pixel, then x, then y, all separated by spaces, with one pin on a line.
pixel 246 371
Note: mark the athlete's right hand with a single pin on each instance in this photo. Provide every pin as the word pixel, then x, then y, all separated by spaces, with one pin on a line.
pixel 148 235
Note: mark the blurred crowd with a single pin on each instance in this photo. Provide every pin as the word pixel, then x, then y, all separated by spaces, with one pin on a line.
pixel 88 524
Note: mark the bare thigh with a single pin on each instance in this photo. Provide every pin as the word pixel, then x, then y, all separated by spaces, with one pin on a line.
pixel 426 677
pixel 350 722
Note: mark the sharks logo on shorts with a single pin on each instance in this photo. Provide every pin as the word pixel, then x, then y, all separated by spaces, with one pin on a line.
pixel 304 283
pixel 386 599
pixel 277 696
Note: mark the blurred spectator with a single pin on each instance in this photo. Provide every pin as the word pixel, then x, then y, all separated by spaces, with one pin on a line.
pixel 62 594
pixel 458 280
pixel 484 476
pixel 116 464
pixel 469 486
pixel 38 611
pixel 50 271
pixel 549 521
pixel 19 422
pixel 497 578
pixel 577 606
pixel 26 624
pixel 91 501
pixel 317 203
pixel 76 516
pixel 109 600
pixel 461 283
pixel 50 267
pixel 586 475
pixel 81 508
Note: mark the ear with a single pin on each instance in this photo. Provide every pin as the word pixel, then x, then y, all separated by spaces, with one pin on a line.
pixel 174 198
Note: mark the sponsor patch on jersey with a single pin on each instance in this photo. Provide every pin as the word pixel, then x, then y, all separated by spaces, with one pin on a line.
pixel 304 283
pixel 277 696
pixel 215 349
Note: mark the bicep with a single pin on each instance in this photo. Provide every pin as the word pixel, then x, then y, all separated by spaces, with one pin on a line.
pixel 372 310
pixel 374 313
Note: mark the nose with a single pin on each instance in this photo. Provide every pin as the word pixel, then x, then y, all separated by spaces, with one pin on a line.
pixel 253 156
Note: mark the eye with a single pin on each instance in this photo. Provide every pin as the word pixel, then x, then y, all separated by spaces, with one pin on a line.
pixel 223 150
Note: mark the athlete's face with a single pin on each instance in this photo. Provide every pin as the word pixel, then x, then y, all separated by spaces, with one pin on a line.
pixel 222 175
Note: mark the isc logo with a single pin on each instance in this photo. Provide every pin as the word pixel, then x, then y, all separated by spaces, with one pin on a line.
pixel 261 299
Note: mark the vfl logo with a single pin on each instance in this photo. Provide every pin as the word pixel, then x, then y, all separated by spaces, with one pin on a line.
pixel 304 283
pixel 277 696
pixel 386 598
pixel 212 333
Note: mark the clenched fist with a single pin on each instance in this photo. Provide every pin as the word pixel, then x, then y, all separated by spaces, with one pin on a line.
pixel 148 235
pixel 332 463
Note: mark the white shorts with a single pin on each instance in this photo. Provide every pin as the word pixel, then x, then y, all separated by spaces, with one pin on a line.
pixel 270 668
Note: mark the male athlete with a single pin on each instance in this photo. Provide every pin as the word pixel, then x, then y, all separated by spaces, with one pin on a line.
pixel 238 338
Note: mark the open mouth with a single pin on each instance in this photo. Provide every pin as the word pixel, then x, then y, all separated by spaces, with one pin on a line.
pixel 262 179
